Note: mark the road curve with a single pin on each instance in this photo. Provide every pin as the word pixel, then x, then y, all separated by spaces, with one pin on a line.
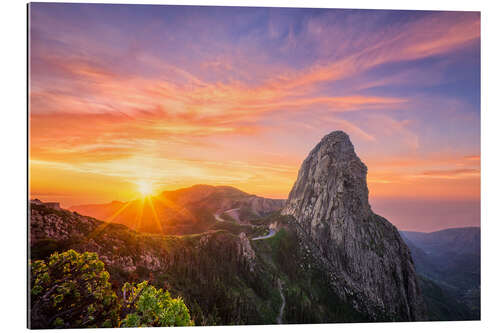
pixel 218 218
pixel 229 212
pixel 270 234
pixel 279 319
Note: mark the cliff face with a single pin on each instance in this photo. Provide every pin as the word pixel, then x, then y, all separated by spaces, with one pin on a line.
pixel 368 263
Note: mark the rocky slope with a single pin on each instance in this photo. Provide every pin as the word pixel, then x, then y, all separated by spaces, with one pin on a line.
pixel 223 276
pixel 112 241
pixel 204 268
pixel 184 211
pixel 368 263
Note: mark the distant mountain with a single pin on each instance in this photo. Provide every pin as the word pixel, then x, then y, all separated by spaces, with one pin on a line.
pixel 451 260
pixel 185 211
pixel 454 240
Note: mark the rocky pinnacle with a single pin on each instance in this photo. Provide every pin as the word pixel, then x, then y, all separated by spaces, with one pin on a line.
pixel 368 263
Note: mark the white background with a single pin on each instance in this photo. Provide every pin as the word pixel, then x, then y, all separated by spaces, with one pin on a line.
pixel 13 163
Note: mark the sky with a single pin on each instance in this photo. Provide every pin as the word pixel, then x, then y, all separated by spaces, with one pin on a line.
pixel 172 96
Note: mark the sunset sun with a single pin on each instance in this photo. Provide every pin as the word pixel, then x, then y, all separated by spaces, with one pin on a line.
pixel 145 188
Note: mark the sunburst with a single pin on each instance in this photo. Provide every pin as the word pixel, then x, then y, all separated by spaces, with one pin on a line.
pixel 145 187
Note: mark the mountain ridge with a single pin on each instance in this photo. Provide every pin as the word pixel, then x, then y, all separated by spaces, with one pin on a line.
pixel 450 259
pixel 182 211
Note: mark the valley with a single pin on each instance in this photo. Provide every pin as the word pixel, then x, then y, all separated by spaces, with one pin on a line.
pixel 448 263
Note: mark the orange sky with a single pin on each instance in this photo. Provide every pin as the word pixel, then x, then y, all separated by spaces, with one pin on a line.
pixel 143 94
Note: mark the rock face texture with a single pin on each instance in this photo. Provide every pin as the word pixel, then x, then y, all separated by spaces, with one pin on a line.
pixel 367 261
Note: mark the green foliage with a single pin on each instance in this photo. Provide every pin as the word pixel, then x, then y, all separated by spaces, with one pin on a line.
pixel 72 290
pixel 148 306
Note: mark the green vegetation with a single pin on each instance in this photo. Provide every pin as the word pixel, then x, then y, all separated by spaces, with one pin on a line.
pixel 217 283
pixel 72 290
pixel 148 306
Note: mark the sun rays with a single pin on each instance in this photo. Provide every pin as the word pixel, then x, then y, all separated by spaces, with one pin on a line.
pixel 155 215
pixel 147 212
pixel 115 214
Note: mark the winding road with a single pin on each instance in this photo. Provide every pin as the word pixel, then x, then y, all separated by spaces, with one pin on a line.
pixel 230 212
pixel 218 218
pixel 270 234
pixel 279 319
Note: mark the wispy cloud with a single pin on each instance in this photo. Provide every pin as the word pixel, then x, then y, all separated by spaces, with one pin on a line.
pixel 233 96
pixel 450 174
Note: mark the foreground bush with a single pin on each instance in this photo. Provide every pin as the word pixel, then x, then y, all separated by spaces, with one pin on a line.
pixel 72 290
pixel 148 306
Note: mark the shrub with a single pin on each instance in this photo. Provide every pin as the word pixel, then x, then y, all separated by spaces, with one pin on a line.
pixel 147 306
pixel 72 290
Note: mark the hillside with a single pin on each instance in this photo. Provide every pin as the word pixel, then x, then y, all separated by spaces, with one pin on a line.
pixel 450 259
pixel 185 211
pixel 223 276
